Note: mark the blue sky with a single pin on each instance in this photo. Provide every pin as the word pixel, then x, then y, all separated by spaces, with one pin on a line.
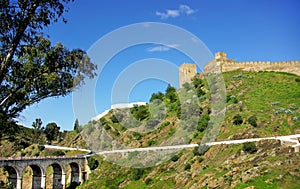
pixel 247 30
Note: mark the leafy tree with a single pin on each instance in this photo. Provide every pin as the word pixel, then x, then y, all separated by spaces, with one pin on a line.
pixel 31 68
pixel 237 119
pixel 157 96
pixel 140 112
pixel 93 163
pixel 76 126
pixel 171 94
pixel 51 131
pixel 37 124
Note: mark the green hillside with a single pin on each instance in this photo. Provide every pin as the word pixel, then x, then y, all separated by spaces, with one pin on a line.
pixel 258 105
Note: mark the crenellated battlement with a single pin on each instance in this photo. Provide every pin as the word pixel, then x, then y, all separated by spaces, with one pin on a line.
pixel 227 64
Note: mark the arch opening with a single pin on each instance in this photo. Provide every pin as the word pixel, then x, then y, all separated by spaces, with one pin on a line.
pixel 11 177
pixel 54 177
pixel 32 177
pixel 74 176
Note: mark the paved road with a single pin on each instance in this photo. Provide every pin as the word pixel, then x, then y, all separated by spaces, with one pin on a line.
pixel 288 138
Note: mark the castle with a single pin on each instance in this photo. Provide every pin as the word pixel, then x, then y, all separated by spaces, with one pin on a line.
pixel 188 71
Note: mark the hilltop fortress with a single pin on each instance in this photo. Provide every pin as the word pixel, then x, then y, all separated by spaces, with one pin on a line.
pixel 227 65
pixel 188 71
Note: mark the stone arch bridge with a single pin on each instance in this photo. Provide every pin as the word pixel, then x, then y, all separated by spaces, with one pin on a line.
pixel 39 165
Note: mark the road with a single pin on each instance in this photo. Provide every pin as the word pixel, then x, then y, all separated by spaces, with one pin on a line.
pixel 288 138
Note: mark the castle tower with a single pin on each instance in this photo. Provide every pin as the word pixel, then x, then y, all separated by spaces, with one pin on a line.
pixel 186 73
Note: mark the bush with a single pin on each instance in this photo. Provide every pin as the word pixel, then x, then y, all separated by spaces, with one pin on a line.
pixel 252 121
pixel 250 147
pixel 58 153
pixel 203 122
pixel 148 181
pixel 200 159
pixel 137 173
pixel 93 163
pixel 237 119
pixel 187 167
pixel 151 142
pixel 174 158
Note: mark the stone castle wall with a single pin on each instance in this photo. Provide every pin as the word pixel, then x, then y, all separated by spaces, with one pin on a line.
pixel 227 64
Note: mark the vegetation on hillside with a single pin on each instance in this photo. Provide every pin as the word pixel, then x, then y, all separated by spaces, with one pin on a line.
pixel 270 108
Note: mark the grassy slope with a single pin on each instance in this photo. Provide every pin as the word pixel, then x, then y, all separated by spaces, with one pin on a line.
pixel 274 98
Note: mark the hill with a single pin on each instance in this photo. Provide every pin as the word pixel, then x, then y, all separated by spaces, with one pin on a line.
pixel 258 104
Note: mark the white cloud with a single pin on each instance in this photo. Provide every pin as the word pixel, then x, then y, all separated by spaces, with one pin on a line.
pixel 167 14
pixel 183 9
pixel 186 9
pixel 161 48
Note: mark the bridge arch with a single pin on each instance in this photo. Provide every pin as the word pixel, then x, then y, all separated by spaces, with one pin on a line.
pixel 37 176
pixel 57 180
pixel 75 175
pixel 13 176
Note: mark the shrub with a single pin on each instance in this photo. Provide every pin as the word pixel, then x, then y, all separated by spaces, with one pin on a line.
pixel 250 147
pixel 174 158
pixel 137 173
pixel 237 119
pixel 148 181
pixel 252 121
pixel 58 153
pixel 203 122
pixel 200 159
pixel 187 167
pixel 151 142
pixel 93 163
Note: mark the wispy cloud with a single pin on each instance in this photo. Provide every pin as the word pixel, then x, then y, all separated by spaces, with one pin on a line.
pixel 161 48
pixel 182 9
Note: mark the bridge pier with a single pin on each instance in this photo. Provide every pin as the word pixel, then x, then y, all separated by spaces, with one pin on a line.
pixel 63 180
pixel 19 183
pixel 43 181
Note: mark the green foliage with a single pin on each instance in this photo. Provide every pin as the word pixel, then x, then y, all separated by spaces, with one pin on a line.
pixel 157 96
pixel 58 153
pixel 137 173
pixel 151 142
pixel 198 84
pixel 76 126
pixel 116 117
pixel 203 122
pixel 252 121
pixel 250 147
pixel 140 112
pixel 175 158
pixel 148 181
pixel 187 167
pixel 51 131
pixel 237 119
pixel 93 163
pixel 37 124
pixel 171 94
pixel 32 68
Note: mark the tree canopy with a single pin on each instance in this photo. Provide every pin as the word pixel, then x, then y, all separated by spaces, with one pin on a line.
pixel 31 68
